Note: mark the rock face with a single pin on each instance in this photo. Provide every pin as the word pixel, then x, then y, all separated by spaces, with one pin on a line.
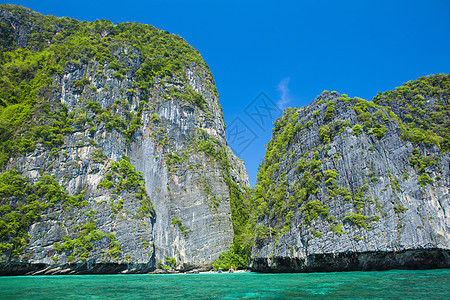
pixel 125 166
pixel 349 184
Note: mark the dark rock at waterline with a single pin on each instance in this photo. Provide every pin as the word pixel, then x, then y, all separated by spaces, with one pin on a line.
pixel 353 261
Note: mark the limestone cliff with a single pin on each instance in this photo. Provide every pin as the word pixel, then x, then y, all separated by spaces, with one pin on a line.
pixel 350 184
pixel 113 150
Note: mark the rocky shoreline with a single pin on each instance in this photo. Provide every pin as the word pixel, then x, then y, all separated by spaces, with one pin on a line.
pixel 90 268
pixel 412 259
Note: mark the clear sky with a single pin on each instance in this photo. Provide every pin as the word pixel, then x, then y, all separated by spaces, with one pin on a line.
pixel 288 50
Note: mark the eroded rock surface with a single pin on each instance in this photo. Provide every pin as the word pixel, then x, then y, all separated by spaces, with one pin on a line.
pixel 351 185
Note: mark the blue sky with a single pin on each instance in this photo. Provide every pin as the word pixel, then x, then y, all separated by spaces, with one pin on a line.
pixel 289 50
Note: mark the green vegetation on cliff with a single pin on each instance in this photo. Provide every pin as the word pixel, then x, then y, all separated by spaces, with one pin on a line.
pixel 423 106
pixel 22 203
pixel 82 244
pixel 54 44
pixel 125 177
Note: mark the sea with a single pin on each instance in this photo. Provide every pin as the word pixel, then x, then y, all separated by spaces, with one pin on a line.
pixel 393 284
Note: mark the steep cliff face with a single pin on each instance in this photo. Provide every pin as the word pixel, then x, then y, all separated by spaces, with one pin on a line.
pixel 113 150
pixel 350 184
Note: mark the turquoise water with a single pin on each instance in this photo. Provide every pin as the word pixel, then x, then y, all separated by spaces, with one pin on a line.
pixel 395 284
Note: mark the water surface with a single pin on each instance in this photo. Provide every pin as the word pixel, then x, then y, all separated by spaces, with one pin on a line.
pixel 394 284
